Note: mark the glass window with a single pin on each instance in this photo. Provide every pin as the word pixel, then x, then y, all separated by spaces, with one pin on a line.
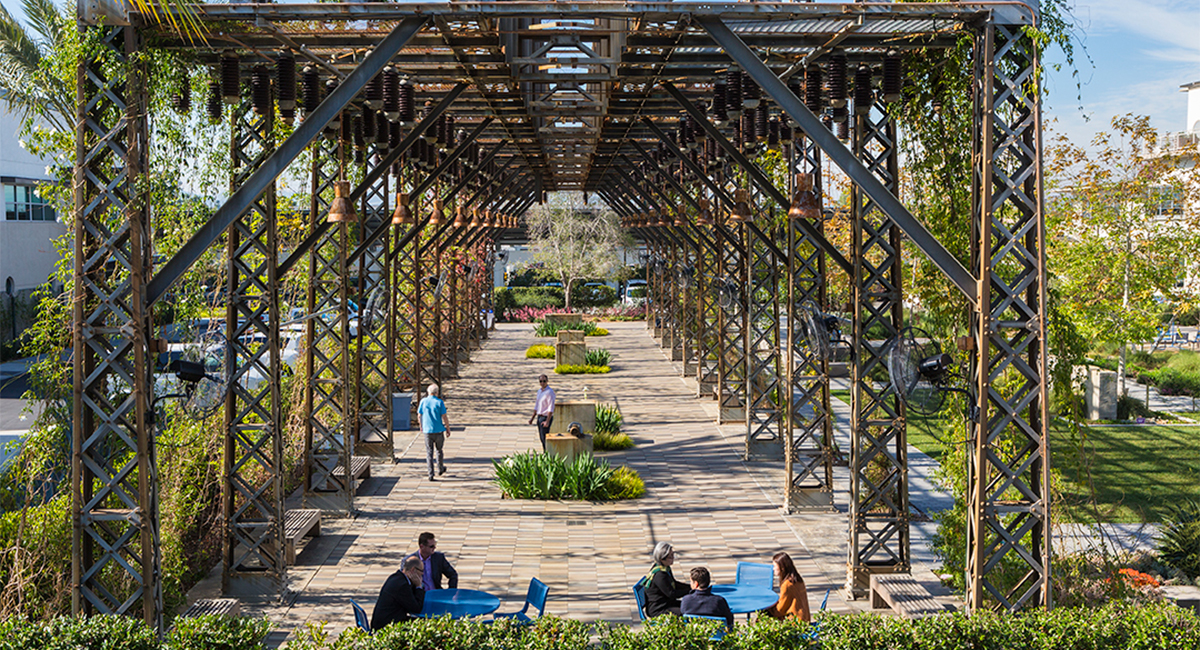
pixel 21 203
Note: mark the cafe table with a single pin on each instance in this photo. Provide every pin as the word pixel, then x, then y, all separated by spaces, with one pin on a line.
pixel 459 603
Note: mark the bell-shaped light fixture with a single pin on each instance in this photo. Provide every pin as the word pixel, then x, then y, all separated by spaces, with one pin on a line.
pixel 439 208
pixel 705 216
pixel 805 202
pixel 342 209
pixel 741 207
pixel 474 218
pixel 460 218
pixel 402 215
pixel 679 220
pixel 486 220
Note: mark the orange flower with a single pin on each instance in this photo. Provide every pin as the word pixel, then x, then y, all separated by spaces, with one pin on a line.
pixel 1137 579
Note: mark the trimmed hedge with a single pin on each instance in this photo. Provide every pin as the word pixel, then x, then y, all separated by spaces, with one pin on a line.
pixel 581 370
pixel 539 351
pixel 509 298
pixel 107 632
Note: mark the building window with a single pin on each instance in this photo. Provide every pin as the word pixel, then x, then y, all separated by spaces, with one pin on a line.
pixel 21 203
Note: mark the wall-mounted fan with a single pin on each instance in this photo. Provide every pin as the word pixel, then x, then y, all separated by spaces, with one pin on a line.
pixel 921 373
pixel 728 294
pixel 439 282
pixel 819 331
pixel 374 313
pixel 686 275
pixel 202 374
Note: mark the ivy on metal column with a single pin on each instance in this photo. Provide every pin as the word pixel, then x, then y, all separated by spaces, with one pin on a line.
pixel 116 562
pixel 253 488
pixel 879 535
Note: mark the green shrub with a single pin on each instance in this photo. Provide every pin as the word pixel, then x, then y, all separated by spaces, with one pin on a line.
pixel 598 331
pixel 548 328
pixel 1179 544
pixel 217 633
pixel 1129 407
pixel 534 475
pixel 611 441
pixel 539 351
pixel 598 357
pixel 565 369
pixel 502 301
pixel 538 297
pixel 608 418
pixel 594 296
pixel 624 483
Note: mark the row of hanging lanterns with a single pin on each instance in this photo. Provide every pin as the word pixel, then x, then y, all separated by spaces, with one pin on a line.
pixel 463 217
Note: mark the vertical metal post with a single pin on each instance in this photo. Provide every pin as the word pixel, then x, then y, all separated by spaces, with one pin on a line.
pixel 879 535
pixel 252 495
pixel 731 327
pixel 116 557
pixel 1008 519
pixel 764 388
pixel 376 343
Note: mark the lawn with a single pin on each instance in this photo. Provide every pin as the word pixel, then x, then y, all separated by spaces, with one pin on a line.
pixel 1136 471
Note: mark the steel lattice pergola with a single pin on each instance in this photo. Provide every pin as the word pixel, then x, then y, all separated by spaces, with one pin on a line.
pixel 513 100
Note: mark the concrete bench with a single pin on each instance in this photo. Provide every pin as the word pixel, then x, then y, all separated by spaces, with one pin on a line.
pixel 216 606
pixel 297 524
pixel 904 595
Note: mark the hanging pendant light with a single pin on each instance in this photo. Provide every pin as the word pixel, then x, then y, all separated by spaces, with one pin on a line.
pixel 805 202
pixel 705 216
pixel 342 209
pixel 460 219
pixel 402 215
pixel 474 223
pixel 435 219
pixel 679 220
pixel 741 207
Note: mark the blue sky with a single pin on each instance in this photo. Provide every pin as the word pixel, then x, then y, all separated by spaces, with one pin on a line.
pixel 1140 52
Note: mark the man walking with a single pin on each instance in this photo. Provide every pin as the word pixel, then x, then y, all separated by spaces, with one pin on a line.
pixel 543 410
pixel 431 416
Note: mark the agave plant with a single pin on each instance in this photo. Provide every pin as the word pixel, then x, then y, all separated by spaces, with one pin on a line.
pixel 1179 545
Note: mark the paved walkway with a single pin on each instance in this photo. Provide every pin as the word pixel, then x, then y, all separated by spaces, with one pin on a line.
pixel 701 496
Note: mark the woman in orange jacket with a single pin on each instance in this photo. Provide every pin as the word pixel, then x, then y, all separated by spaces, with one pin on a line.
pixel 793 596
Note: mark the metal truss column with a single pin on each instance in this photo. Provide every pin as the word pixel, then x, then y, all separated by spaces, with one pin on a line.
pixel 252 494
pixel 707 312
pixel 764 389
pixel 673 334
pixel 327 448
pixel 688 312
pixel 376 339
pixel 116 557
pixel 879 534
pixel 1008 522
pixel 405 313
pixel 808 425
pixel 732 323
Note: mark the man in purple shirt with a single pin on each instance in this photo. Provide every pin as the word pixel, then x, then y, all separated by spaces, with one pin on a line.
pixel 543 409
pixel 436 564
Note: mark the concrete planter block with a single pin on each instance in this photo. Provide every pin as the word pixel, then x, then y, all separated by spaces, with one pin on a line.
pixel 565 319
pixel 582 411
pixel 567 446
pixel 570 354
pixel 1099 392
pixel 570 336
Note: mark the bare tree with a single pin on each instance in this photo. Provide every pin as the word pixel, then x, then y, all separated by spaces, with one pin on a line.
pixel 575 240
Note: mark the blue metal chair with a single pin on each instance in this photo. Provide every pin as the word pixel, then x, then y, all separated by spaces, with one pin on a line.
pixel 360 617
pixel 536 597
pixel 639 594
pixel 753 573
pixel 720 633
pixel 816 627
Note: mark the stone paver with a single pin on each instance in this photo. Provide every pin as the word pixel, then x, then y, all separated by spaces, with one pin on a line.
pixel 715 508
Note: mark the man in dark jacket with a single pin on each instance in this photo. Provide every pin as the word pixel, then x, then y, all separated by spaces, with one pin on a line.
pixel 434 564
pixel 703 601
pixel 401 597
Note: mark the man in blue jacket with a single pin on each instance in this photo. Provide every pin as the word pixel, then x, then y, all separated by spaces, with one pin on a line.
pixel 703 601
pixel 435 564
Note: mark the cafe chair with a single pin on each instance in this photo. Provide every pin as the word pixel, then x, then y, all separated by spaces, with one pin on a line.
pixel 536 597
pixel 360 617
pixel 717 635
pixel 639 594
pixel 815 634
pixel 754 573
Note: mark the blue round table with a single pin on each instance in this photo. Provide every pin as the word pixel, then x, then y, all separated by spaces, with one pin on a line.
pixel 744 599
pixel 459 603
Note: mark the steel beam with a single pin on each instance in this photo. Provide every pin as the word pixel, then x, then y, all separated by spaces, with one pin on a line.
pixel 843 157
pixel 246 193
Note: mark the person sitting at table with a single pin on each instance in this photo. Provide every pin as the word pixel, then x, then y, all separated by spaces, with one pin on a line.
pixel 702 601
pixel 662 590
pixel 793 596
pixel 435 565
pixel 402 597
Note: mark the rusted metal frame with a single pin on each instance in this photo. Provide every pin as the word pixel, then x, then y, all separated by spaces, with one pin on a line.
pixel 809 423
pixel 328 404
pixel 393 155
pixel 1008 493
pixel 663 175
pixel 755 174
pixel 474 172
pixel 492 185
pixel 691 250
pixel 433 177
pixel 252 490
pixel 879 513
pixel 718 191
pixel 840 155
pixel 403 315
pixel 426 317
pixel 705 306
pixel 731 328
pixel 309 130
pixel 376 344
pixel 116 557
pixel 764 380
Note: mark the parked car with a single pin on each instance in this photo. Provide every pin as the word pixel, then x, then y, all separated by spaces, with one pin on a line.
pixel 635 293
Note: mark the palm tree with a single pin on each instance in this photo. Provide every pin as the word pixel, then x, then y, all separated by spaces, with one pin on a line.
pixel 28 83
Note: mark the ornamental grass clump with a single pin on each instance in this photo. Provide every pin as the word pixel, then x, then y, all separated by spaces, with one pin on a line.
pixel 1179 542
pixel 608 436
pixel 533 475
pixel 551 328
pixel 539 351
pixel 597 357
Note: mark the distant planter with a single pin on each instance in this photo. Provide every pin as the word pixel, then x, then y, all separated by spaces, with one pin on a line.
pixel 582 370
pixel 539 351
